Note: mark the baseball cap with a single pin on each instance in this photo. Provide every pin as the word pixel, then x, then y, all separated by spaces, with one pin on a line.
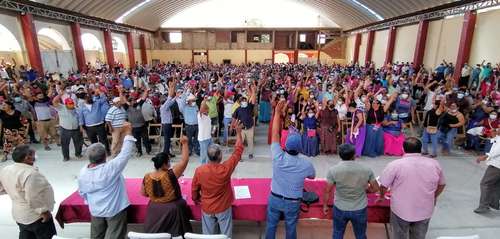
pixel 69 101
pixel 293 142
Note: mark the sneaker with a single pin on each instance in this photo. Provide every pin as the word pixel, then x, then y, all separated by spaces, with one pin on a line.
pixel 481 210
pixel 250 156
pixel 34 141
pixel 65 159
pixel 139 155
pixel 171 155
pixel 47 148
pixel 79 156
pixel 432 156
pixel 425 153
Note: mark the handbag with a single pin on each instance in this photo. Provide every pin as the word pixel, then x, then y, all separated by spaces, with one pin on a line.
pixel 308 198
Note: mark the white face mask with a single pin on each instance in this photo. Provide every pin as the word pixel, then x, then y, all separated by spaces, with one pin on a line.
pixel 310 115
pixel 404 96
pixel 193 104
pixel 460 96
pixel 485 102
pixel 244 104
pixel 493 116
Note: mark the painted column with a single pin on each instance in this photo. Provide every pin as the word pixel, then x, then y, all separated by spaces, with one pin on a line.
pixel 357 43
pixel 192 57
pixel 207 57
pixel 108 46
pixel 77 46
pixel 296 57
pixel 319 58
pixel 272 57
pixel 130 49
pixel 142 45
pixel 31 42
pixel 246 56
pixel 418 56
pixel 389 53
pixel 465 42
pixel 369 46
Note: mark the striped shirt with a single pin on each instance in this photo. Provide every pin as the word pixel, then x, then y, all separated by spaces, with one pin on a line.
pixel 116 116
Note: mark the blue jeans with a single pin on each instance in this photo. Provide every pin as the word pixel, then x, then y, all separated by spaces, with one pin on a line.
pixel 290 209
pixel 447 138
pixel 227 122
pixel 167 135
pixel 426 138
pixel 203 150
pixel 358 220
pixel 219 222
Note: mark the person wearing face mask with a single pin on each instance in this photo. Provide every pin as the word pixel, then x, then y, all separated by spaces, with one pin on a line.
pixel 448 127
pixel 136 118
pixel 341 108
pixel 485 131
pixel 44 122
pixel 245 115
pixel 90 117
pixel 430 133
pixel 265 105
pixel 393 136
pixel 329 125
pixel 228 114
pixel 356 133
pixel 405 107
pixel 189 109
pixel 27 111
pixel 480 111
pixel 374 141
pixel 68 126
pixel 31 194
pixel 310 146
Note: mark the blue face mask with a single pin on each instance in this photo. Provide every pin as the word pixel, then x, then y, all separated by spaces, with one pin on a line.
pixel 17 99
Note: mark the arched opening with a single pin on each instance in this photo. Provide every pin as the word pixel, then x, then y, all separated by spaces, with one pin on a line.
pixel 281 58
pixel 119 50
pixel 93 48
pixel 55 51
pixel 10 47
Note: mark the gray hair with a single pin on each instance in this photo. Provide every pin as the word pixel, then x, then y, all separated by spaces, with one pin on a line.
pixel 96 153
pixel 21 152
pixel 214 152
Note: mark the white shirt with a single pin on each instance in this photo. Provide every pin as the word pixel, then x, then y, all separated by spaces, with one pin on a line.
pixel 103 187
pixel 204 127
pixel 466 71
pixel 29 190
pixel 342 111
pixel 3 74
pixel 429 100
pixel 228 109
pixel 494 154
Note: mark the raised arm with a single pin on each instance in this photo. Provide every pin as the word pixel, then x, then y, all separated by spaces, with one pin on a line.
pixel 275 134
pixel 181 166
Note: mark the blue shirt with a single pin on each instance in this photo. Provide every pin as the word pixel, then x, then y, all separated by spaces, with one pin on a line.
pixel 289 172
pixel 165 113
pixel 189 112
pixel 103 187
pixel 95 115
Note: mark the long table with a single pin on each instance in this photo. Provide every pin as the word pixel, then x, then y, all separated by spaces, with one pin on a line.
pixel 73 209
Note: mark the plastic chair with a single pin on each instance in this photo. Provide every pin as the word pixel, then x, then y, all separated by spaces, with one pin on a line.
pixel 137 235
pixel 201 236
pixel 461 237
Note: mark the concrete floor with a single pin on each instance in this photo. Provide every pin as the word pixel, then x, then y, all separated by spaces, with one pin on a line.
pixel 453 215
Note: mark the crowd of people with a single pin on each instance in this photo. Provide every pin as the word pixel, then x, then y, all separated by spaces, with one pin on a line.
pixel 311 109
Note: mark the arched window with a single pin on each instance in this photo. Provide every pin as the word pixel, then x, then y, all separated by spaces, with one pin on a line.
pixel 8 41
pixel 52 39
pixel 91 42
pixel 118 45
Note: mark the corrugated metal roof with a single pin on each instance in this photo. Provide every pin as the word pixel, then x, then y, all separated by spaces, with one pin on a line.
pixel 346 13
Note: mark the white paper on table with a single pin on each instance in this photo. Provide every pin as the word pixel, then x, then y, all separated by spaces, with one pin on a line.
pixel 242 192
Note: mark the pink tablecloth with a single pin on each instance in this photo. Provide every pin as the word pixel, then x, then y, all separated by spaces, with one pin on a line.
pixel 73 208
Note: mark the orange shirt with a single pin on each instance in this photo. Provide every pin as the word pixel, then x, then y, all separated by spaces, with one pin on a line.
pixel 212 183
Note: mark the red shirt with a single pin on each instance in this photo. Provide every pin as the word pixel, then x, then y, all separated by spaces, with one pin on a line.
pixel 212 183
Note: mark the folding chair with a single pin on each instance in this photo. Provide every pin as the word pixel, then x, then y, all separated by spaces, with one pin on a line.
pixel 137 235
pixel 155 131
pixel 176 136
pixel 201 236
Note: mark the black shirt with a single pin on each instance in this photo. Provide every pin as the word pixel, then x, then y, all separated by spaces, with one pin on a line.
pixel 11 121
pixel 431 118
pixel 245 115
pixel 370 116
